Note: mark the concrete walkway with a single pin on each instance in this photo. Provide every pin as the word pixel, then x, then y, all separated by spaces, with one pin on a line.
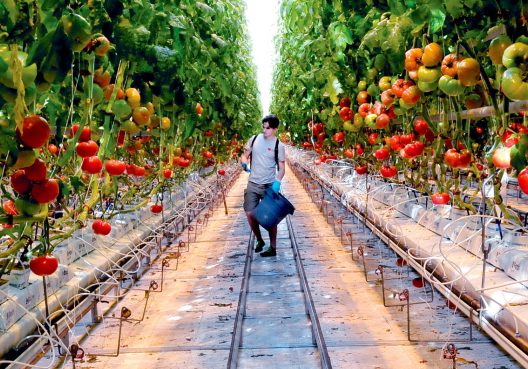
pixel 190 323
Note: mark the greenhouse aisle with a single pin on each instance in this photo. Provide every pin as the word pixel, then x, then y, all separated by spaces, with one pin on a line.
pixel 189 324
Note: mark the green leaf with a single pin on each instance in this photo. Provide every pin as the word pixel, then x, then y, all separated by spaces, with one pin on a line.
pixel 437 20
pixel 333 89
pixel 76 183
pixel 12 9
pixel 397 8
pixel 454 8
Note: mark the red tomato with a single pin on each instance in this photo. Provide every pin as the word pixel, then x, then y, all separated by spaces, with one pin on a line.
pixel 522 178
pixel 388 171
pixel 411 95
pixel 37 171
pixel 339 137
pixel 387 97
pixel 199 109
pixel 399 86
pixel 167 173
pixel 207 154
pixel 508 140
pixel 346 113
pixel 44 265
pixel 209 133
pixel 361 169
pixel 139 171
pixel 318 128
pixel 10 208
pixel 349 153
pixel 421 126
pixel 115 167
pixel 395 143
pixel 156 208
pixel 373 138
pixel 359 149
pixel 382 154
pixel 86 149
pixel 456 159
pixel 382 121
pixel 440 198
pixel 35 131
pixel 20 182
pixel 101 227
pixel 121 138
pixel 53 149
pixel 363 97
pixel 85 133
pixel 414 149
pixel 45 191
pixel 364 109
pixel 501 158
pixel 92 165
pixel 345 101
pixel 221 172
pixel 307 144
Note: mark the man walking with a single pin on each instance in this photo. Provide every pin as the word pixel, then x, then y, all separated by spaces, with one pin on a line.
pixel 265 154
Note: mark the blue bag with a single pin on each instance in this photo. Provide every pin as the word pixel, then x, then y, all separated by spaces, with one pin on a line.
pixel 272 209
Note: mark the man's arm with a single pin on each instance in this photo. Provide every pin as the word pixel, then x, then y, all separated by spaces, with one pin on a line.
pixel 282 170
pixel 244 160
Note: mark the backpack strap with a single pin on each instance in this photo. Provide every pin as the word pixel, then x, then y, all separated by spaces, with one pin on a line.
pixel 277 153
pixel 251 147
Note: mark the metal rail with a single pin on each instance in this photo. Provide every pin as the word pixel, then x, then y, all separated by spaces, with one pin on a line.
pixel 310 306
pixel 232 361
pixel 318 338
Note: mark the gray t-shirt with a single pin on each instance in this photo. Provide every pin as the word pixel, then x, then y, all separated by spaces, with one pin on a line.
pixel 263 166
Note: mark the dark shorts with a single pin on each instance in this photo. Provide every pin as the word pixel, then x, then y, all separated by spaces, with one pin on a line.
pixel 253 194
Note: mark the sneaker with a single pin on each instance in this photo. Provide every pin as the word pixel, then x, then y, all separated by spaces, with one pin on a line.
pixel 270 251
pixel 260 246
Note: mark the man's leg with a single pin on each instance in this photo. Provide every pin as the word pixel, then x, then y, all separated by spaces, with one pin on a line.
pixel 254 226
pixel 273 237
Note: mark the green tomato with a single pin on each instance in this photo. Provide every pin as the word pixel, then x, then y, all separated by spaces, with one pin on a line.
pixel 427 87
pixel 370 120
pixel 362 85
pixel 28 207
pixel 384 83
pixel 372 89
pixel 348 126
pixel 25 158
pixel 78 30
pixel 513 85
pixel 429 75
pixel 121 109
pixel 450 86
pixel 497 47
pixel 515 55
pixel 379 61
pixel 372 73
